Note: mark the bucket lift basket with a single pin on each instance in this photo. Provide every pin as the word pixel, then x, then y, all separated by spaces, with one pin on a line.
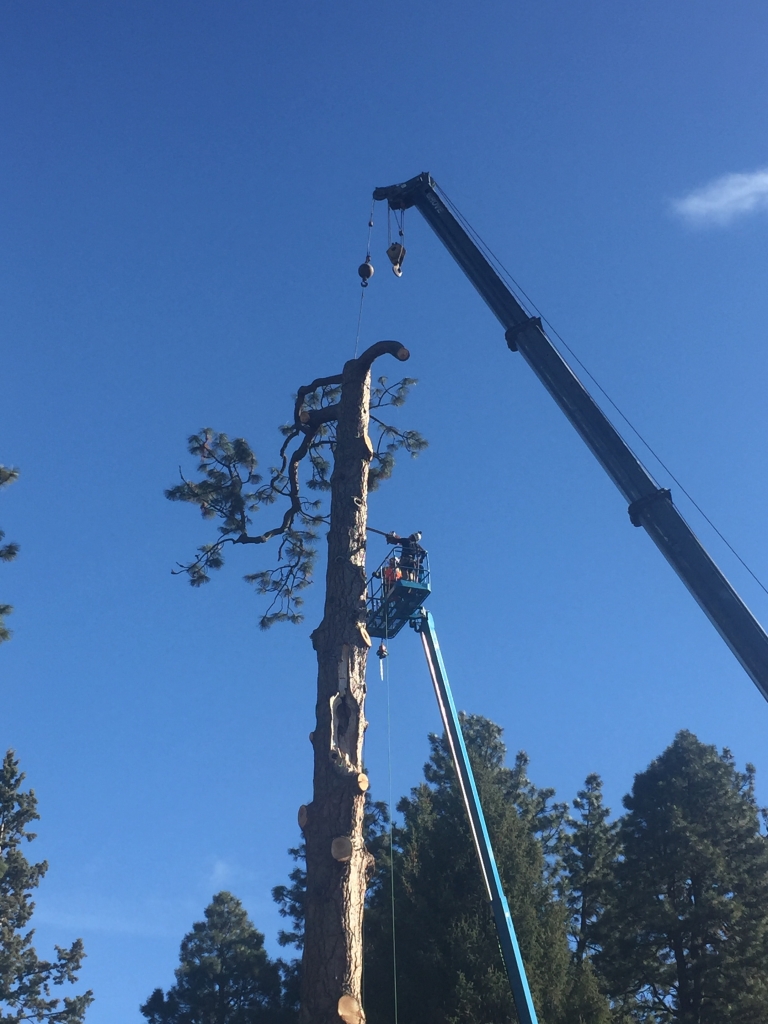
pixel 396 590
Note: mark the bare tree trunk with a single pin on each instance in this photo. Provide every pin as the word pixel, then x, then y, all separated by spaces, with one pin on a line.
pixel 338 863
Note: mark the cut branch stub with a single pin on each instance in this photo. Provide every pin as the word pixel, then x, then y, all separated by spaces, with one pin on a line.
pixel 362 782
pixel 341 848
pixel 350 1010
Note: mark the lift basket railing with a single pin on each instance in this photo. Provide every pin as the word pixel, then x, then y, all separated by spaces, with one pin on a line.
pixel 396 590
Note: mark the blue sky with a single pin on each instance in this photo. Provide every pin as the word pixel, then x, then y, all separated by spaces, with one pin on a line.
pixel 186 190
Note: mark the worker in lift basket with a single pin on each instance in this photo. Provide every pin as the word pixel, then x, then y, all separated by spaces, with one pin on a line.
pixel 411 553
pixel 392 573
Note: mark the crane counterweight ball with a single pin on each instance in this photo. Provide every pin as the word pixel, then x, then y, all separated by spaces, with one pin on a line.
pixel 365 270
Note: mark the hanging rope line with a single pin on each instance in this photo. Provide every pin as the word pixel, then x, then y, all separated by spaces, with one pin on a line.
pixel 531 308
pixel 370 231
pixel 391 830
pixel 359 322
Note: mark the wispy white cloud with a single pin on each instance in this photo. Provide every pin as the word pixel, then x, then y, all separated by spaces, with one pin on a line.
pixel 91 912
pixel 724 199
pixel 223 873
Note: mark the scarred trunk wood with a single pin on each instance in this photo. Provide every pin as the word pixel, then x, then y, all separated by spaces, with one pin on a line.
pixel 338 863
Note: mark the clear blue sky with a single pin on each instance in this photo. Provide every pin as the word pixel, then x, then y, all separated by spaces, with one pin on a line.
pixel 186 187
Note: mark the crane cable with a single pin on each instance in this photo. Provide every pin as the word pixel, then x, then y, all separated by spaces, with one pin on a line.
pixel 391 818
pixel 531 308
pixel 359 321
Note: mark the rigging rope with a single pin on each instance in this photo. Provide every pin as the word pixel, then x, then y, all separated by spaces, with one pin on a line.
pixel 359 321
pixel 391 827
pixel 531 306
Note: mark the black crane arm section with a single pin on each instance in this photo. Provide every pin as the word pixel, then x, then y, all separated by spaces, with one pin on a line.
pixel 649 505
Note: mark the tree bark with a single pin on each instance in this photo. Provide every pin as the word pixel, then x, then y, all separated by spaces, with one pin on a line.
pixel 338 864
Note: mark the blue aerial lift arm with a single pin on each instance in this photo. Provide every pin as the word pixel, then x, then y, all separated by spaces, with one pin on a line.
pixel 424 624
pixel 397 590
pixel 650 506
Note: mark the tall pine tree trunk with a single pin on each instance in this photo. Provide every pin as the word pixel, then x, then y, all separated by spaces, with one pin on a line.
pixel 337 862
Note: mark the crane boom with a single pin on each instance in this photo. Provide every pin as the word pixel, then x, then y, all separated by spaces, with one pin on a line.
pixel 650 506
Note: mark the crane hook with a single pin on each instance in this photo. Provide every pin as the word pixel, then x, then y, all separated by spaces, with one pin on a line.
pixel 396 254
pixel 365 270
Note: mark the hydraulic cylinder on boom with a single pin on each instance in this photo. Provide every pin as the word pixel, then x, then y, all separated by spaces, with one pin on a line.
pixel 650 506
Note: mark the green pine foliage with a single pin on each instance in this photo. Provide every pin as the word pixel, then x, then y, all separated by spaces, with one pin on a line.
pixel 589 854
pixel 230 489
pixel 7 552
pixel 224 975
pixel 26 980
pixel 585 1000
pixel 684 938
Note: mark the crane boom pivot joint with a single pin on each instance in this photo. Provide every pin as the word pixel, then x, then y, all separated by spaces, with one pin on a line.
pixel 637 508
pixel 512 332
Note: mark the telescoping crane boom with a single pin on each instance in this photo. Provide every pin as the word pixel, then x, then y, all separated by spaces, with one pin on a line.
pixel 650 506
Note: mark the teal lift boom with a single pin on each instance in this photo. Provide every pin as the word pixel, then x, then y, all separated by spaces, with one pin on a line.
pixel 397 589
pixel 650 506
pixel 424 625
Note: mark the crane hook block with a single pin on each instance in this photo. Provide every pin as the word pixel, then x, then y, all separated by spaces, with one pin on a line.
pixel 365 270
pixel 396 253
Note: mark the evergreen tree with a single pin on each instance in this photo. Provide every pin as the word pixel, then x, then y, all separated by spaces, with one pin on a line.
pixel 449 968
pixel 7 553
pixel 25 979
pixel 224 976
pixel 590 851
pixel 685 937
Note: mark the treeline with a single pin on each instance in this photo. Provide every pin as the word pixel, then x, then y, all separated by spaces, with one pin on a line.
pixel 659 916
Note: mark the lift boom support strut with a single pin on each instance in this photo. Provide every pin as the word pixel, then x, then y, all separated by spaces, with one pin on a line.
pixel 650 506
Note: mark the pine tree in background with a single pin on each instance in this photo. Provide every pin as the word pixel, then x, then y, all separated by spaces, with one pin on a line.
pixel 25 979
pixel 224 975
pixel 685 935
pixel 7 552
pixel 589 854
